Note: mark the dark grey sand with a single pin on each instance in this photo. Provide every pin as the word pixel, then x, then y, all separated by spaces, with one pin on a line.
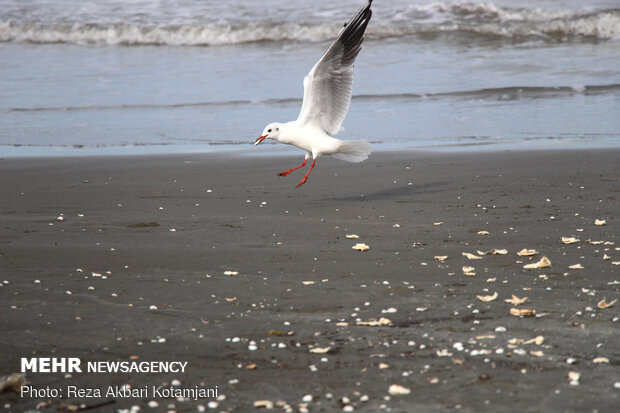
pixel 217 213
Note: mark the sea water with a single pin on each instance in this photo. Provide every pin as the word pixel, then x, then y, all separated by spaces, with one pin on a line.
pixel 144 76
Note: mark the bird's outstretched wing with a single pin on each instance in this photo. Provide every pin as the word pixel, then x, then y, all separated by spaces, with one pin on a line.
pixel 327 88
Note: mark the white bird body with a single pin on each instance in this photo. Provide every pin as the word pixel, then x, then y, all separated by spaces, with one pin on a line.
pixel 310 138
pixel 327 95
pixel 315 141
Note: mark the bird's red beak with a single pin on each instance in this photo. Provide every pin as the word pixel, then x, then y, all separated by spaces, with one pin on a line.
pixel 260 139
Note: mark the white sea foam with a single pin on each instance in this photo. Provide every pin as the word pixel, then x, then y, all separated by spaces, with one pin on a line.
pixel 485 19
pixel 187 35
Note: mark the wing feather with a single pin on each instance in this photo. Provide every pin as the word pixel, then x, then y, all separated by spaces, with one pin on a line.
pixel 328 86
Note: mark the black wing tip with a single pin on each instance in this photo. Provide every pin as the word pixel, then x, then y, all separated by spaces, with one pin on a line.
pixel 359 21
pixel 352 34
pixel 367 8
pixel 363 13
pixel 366 12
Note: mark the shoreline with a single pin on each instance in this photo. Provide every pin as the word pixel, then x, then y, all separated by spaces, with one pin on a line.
pixel 8 151
pixel 215 261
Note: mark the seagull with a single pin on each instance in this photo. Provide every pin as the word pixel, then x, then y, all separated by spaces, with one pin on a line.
pixel 327 95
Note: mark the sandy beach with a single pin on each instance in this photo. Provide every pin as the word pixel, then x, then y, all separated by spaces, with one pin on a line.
pixel 215 261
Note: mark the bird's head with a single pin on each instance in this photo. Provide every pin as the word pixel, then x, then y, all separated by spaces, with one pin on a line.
pixel 271 131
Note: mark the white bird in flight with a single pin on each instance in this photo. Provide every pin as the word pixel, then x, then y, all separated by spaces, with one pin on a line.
pixel 327 95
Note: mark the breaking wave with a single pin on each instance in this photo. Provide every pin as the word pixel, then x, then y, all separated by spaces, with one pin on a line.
pixel 485 19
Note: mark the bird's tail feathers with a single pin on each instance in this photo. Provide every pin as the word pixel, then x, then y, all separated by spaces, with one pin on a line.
pixel 353 151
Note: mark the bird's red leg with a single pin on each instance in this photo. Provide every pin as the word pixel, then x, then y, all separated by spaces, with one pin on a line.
pixel 284 173
pixel 303 181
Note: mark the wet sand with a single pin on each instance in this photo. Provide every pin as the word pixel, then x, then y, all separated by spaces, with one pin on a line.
pixel 217 262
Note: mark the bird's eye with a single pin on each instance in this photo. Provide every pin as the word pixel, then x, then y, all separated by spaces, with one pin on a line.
pixel 268 130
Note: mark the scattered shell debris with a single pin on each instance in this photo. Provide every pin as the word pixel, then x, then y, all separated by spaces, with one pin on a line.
pixel 12 382
pixel 471 256
pixel 320 350
pixel 443 353
pixel 525 252
pixel 538 340
pixel 361 247
pixel 352 236
pixel 398 390
pixel 280 333
pixel 373 322
pixel 494 251
pixel 516 300
pixel 487 298
pixel 440 258
pixel 573 377
pixel 265 404
pixel 514 342
pixel 522 312
pixel 600 222
pixel 483 232
pixel 543 263
pixel 575 267
pixel 469 271
pixel 231 273
pixel 604 304
pixel 569 240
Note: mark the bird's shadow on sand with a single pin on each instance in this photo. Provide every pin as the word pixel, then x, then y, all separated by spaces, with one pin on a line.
pixel 403 193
